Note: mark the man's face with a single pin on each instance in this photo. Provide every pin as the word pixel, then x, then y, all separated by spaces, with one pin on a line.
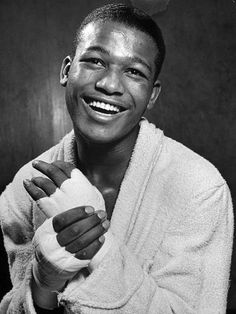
pixel 110 81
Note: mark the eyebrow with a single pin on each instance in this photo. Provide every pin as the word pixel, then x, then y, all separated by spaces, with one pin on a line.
pixel 99 49
pixel 134 59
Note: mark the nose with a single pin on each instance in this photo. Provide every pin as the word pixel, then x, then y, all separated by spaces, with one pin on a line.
pixel 110 83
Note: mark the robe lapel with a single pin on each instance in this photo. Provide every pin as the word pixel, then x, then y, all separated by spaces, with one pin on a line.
pixel 143 159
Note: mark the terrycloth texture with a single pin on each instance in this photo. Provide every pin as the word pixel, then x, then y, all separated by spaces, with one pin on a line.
pixel 173 230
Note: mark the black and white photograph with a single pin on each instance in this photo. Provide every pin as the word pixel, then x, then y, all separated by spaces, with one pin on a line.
pixel 117 156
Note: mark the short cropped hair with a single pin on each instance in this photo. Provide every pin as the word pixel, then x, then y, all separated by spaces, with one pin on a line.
pixel 129 16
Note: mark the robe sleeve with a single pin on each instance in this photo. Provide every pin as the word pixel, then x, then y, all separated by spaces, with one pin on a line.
pixel 17 228
pixel 189 274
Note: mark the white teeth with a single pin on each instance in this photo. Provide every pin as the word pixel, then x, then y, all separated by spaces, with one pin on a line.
pixel 104 106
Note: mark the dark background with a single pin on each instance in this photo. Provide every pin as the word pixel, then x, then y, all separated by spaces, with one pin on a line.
pixel 197 105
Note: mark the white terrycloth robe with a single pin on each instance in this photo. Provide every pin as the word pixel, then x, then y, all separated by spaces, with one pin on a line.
pixel 173 230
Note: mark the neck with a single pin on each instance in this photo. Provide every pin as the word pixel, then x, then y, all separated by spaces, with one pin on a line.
pixel 105 163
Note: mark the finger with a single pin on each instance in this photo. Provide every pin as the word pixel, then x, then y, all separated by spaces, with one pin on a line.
pixel 35 192
pixel 66 167
pixel 77 229
pixel 70 216
pixel 44 184
pixel 84 240
pixel 51 171
pixel 91 249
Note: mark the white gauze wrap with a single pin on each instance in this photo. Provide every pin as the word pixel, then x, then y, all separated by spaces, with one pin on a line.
pixel 75 191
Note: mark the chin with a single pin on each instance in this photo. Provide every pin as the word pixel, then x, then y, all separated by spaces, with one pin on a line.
pixel 99 136
pixel 114 135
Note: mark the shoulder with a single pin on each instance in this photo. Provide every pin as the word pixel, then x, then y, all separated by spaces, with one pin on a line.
pixel 61 151
pixel 186 183
pixel 177 168
pixel 190 188
pixel 187 169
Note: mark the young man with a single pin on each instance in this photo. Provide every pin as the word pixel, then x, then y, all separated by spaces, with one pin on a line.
pixel 167 247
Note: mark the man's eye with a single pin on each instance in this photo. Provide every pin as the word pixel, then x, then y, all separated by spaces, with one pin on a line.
pixel 93 61
pixel 136 72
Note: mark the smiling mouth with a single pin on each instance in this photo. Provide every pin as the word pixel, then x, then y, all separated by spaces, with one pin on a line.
pixel 103 107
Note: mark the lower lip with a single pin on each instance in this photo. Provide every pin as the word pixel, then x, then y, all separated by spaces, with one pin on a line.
pixel 101 117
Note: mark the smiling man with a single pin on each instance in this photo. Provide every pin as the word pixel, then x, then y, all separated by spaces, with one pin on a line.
pixel 113 78
pixel 117 217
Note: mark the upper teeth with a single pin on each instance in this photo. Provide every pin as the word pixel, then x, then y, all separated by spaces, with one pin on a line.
pixel 104 106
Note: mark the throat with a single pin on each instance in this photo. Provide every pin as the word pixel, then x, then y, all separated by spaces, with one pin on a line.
pixel 105 165
pixel 109 187
pixel 110 196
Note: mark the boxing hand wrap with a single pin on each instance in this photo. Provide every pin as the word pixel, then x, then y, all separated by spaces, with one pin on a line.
pixel 46 244
pixel 75 191
pixel 53 264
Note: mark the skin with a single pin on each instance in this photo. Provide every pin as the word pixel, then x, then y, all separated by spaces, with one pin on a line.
pixel 115 64
pixel 106 67
pixel 78 231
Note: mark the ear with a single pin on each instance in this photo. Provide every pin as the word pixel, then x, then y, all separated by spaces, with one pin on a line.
pixel 155 93
pixel 65 67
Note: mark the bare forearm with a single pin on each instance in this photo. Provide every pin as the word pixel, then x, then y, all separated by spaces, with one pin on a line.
pixel 39 310
pixel 44 299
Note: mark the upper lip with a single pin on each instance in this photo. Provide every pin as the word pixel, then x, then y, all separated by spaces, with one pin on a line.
pixel 105 100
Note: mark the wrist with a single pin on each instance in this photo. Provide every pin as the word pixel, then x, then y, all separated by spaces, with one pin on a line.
pixel 44 298
pixel 39 310
pixel 46 278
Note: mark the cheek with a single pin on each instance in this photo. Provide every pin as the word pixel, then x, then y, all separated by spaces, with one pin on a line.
pixel 78 77
pixel 75 87
pixel 140 94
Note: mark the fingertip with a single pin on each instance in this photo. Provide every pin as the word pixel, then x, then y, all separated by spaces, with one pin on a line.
pixel 101 214
pixel 101 239
pixel 35 163
pixel 26 182
pixel 89 210
pixel 106 224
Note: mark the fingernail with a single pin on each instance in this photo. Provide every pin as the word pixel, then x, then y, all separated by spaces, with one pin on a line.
pixel 89 210
pixel 106 224
pixel 101 214
pixel 102 239
pixel 26 181
pixel 35 162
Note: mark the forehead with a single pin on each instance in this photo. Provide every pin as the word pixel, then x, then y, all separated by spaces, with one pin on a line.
pixel 119 39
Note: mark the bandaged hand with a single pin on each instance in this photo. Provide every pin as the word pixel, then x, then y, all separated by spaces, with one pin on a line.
pixel 70 239
pixel 63 245
pixel 66 243
pixel 64 187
